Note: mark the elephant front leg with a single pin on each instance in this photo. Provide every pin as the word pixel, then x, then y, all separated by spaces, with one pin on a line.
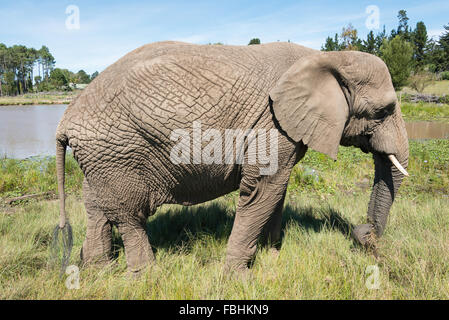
pixel 261 197
pixel 271 234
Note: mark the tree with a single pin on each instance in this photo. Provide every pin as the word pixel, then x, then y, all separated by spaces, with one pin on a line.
pixel 420 80
pixel 58 78
pixel 420 43
pixel 380 37
pixel 93 75
pixel 369 45
pixel 47 61
pixel 83 77
pixel 350 40
pixel 331 44
pixel 254 41
pixel 403 29
pixel 443 44
pixel 398 56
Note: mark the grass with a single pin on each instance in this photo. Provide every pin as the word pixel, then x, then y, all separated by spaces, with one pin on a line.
pixel 39 98
pixel 437 88
pixel 424 111
pixel 318 259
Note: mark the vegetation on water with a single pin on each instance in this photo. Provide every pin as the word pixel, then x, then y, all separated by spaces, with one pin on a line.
pixel 318 259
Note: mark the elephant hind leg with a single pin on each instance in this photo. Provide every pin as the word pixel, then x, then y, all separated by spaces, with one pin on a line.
pixel 97 247
pixel 138 251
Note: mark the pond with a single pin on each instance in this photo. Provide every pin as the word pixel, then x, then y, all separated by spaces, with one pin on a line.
pixel 427 130
pixel 30 130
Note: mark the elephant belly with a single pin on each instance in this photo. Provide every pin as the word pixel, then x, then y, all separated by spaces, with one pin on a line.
pixel 204 183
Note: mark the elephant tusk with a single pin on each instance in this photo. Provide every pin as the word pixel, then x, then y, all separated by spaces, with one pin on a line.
pixel 398 165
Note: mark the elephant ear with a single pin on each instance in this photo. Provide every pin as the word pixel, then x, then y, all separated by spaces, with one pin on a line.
pixel 309 103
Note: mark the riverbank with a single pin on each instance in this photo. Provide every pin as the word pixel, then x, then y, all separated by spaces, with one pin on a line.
pixel 318 259
pixel 39 98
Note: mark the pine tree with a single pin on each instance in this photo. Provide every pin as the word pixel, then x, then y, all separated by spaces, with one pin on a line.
pixel 369 45
pixel 380 37
pixel 443 44
pixel 420 40
pixel 331 44
pixel 403 29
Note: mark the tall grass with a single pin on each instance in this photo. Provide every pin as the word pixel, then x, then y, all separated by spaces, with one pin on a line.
pixel 318 258
pixel 36 174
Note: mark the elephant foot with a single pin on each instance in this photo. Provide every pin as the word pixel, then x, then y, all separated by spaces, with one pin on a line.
pixel 236 265
pixel 89 258
pixel 238 272
pixel 274 252
pixel 138 251
pixel 138 274
pixel 364 235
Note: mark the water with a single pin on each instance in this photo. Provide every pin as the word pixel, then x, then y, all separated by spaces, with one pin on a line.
pixel 30 130
pixel 427 130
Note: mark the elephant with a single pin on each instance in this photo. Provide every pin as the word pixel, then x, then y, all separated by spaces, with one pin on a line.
pixel 121 131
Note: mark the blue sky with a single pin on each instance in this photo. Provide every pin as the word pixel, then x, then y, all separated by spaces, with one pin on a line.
pixel 110 29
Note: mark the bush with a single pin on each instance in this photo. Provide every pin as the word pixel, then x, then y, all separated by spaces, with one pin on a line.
pixel 420 80
pixel 398 56
pixel 445 75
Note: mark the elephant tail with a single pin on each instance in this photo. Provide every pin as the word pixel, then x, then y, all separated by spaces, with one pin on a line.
pixel 62 234
pixel 61 145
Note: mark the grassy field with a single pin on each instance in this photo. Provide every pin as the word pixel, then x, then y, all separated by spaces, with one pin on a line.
pixel 318 258
pixel 438 88
pixel 39 98
pixel 424 111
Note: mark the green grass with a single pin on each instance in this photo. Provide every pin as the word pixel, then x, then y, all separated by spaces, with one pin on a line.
pixel 318 259
pixel 424 111
pixel 438 88
pixel 35 175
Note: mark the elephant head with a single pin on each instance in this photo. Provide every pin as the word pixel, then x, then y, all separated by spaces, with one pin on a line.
pixel 347 98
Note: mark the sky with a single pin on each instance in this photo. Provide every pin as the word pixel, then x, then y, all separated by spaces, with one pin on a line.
pixel 107 30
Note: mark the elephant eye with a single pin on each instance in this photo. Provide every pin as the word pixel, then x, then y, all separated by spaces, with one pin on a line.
pixel 383 113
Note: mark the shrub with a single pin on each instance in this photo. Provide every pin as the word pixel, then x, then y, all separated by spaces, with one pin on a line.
pixel 398 56
pixel 445 75
pixel 420 80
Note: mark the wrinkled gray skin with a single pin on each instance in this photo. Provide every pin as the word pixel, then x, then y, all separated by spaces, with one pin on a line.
pixel 119 130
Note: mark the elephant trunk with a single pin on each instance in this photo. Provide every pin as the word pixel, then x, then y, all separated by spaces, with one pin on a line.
pixel 387 181
pixel 388 176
